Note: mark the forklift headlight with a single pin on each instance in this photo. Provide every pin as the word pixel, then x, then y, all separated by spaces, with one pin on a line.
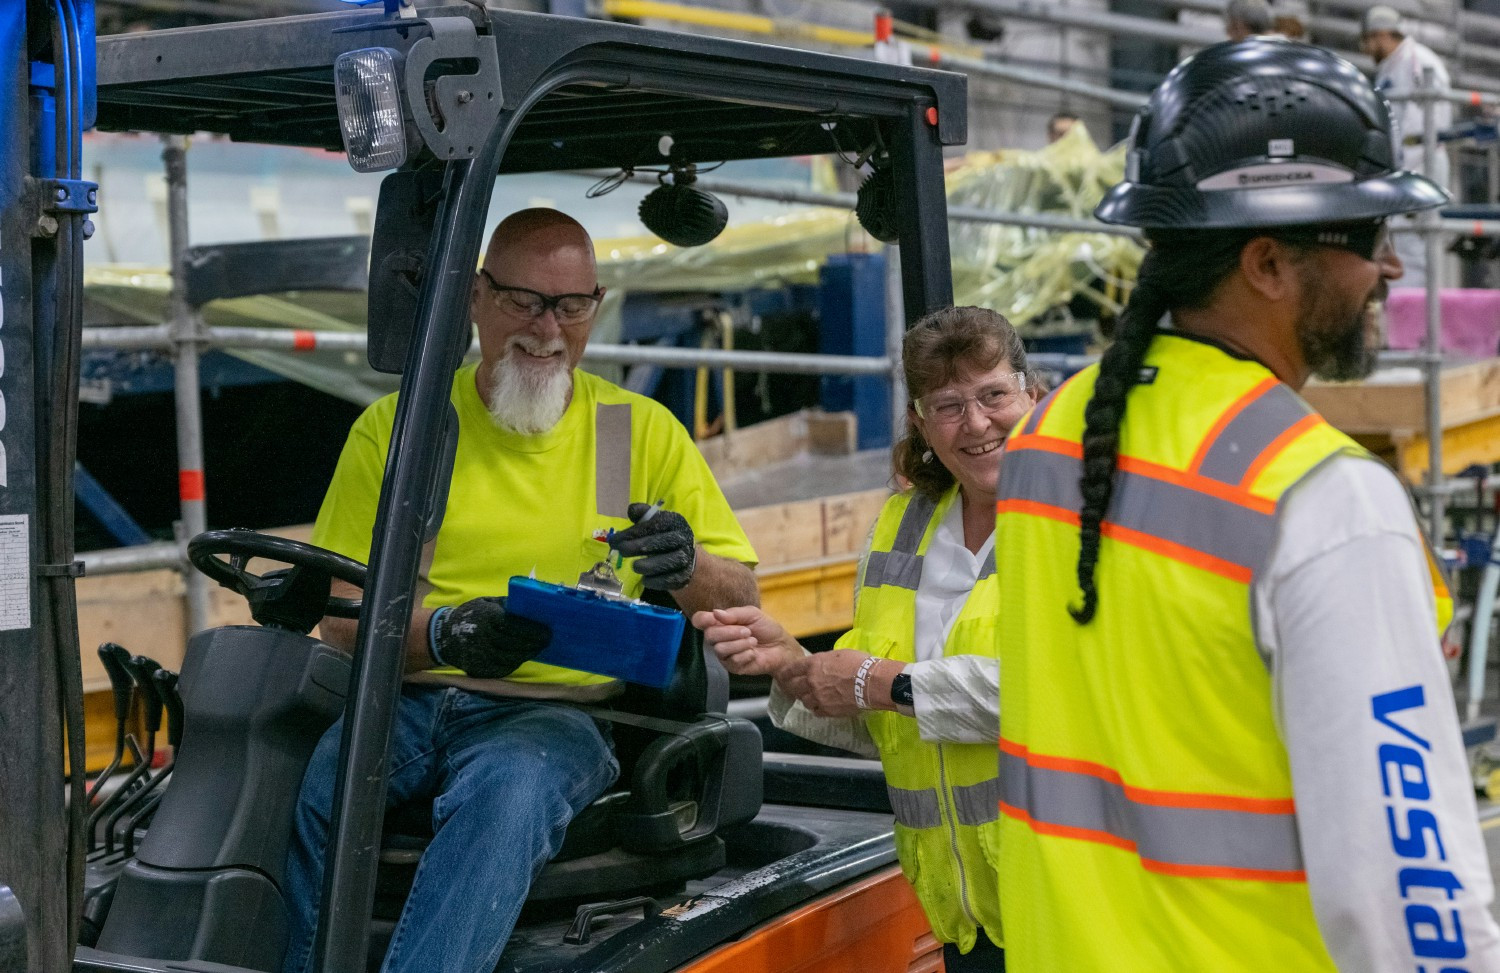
pixel 368 93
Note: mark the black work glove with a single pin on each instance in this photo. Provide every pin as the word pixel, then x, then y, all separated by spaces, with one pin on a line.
pixel 484 640
pixel 664 543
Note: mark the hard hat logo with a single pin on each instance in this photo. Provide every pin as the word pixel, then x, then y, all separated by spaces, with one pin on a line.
pixel 1238 119
pixel 1275 175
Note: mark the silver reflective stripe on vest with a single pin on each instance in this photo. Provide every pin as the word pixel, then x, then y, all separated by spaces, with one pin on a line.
pixel 612 459
pixel 978 803
pixel 1190 837
pixel 1248 434
pixel 1222 529
pixel 988 567
pixel 915 808
pixel 901 566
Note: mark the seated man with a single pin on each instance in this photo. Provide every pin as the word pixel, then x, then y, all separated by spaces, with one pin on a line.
pixel 548 458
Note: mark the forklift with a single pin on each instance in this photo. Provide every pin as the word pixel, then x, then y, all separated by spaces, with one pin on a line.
pixel 708 855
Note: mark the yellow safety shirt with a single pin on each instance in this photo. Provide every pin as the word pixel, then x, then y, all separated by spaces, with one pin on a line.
pixel 520 505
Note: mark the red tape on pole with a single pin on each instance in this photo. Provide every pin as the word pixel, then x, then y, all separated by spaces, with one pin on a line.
pixel 190 485
pixel 304 340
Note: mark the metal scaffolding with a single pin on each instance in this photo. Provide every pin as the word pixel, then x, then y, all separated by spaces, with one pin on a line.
pixel 186 336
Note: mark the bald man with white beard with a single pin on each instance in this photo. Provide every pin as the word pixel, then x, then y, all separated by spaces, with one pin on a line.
pixel 550 461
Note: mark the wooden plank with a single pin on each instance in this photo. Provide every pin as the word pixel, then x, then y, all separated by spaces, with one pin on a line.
pixel 754 446
pixel 812 530
pixel 785 533
pixel 832 433
pixel 775 440
pixel 1469 393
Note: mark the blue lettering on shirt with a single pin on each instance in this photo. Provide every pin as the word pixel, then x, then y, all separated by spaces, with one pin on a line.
pixel 1434 934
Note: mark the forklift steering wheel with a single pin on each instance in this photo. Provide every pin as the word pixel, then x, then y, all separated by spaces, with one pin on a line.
pixel 242 545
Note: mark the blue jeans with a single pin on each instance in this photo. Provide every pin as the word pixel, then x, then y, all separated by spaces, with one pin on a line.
pixel 508 776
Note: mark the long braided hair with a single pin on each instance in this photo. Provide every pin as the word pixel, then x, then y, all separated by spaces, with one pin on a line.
pixel 1180 270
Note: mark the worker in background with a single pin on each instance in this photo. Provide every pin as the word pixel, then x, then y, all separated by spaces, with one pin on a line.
pixel 1247 18
pixel 1227 736
pixel 1059 125
pixel 915 681
pixel 547 456
pixel 1399 65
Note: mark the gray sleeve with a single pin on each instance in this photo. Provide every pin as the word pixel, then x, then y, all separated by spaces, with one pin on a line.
pixel 845 732
pixel 957 699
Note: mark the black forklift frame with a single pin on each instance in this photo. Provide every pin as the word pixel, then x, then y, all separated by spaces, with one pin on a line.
pixel 271 82
pixel 46 60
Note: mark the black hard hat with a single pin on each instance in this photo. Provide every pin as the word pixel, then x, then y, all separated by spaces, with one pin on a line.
pixel 1262 133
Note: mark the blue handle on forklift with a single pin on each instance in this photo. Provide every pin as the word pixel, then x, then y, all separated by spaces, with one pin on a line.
pixel 627 640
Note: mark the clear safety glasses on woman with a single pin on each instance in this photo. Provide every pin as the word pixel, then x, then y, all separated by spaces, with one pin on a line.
pixel 948 406
pixel 527 304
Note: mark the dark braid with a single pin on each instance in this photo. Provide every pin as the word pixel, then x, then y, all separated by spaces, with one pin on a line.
pixel 1180 270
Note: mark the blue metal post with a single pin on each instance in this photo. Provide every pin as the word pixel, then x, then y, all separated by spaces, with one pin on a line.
pixel 851 306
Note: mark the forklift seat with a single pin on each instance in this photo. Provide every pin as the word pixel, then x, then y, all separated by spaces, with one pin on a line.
pixel 686 772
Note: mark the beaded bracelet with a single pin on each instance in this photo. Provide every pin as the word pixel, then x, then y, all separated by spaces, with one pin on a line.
pixel 859 681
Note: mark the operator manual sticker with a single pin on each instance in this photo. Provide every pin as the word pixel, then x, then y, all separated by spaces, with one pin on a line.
pixel 15 572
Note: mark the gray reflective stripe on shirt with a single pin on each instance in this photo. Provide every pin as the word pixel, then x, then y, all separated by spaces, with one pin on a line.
pixel 1207 841
pixel 915 808
pixel 1248 434
pixel 1222 529
pixel 978 803
pixel 901 566
pixel 612 459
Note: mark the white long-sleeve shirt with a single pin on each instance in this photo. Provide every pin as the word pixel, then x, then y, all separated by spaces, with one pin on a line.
pixel 1385 807
pixel 956 698
pixel 1401 74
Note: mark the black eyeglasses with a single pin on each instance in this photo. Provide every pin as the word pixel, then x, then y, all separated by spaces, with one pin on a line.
pixel 1367 240
pixel 525 303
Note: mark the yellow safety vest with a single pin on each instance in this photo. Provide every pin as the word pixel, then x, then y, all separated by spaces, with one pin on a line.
pixel 945 795
pixel 1147 809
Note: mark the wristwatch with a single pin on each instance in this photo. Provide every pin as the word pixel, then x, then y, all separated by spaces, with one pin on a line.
pixel 901 690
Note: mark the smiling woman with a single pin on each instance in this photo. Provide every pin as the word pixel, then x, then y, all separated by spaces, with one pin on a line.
pixel 916 681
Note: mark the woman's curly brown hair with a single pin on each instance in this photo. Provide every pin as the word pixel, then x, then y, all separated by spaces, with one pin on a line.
pixel 935 349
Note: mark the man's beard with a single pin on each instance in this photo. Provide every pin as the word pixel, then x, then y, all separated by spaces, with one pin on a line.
pixel 1335 339
pixel 530 397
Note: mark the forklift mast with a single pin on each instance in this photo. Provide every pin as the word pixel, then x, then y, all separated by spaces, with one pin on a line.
pixel 46 101
pixel 515 92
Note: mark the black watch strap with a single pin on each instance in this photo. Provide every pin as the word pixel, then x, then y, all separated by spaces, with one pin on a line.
pixel 901 690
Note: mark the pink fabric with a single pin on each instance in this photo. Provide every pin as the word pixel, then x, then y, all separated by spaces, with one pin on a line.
pixel 1471 319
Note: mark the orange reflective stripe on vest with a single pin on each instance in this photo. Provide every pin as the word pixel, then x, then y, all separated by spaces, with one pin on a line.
pixel 1173 833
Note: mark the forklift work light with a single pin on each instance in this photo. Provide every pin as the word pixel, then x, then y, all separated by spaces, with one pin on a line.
pixel 681 213
pixel 875 205
pixel 369 102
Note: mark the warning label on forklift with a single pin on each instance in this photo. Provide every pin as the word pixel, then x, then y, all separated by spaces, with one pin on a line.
pixel 15 573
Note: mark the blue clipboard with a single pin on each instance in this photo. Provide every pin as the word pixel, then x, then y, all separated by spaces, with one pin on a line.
pixel 627 640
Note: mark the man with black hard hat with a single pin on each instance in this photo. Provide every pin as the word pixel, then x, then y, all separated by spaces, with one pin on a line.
pixel 1228 741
